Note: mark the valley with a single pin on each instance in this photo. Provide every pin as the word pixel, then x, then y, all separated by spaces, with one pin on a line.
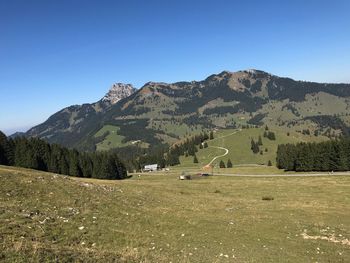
pixel 175 131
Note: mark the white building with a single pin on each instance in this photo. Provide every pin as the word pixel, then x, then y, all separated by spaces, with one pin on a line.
pixel 151 167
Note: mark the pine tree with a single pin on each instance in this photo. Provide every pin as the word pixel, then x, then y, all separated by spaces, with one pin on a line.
pixel 195 160
pixel 254 146
pixel 260 141
pixel 222 164
pixel 269 163
pixel 3 146
pixel 74 168
pixel 205 145
pixel 271 136
pixel 211 135
pixel 229 163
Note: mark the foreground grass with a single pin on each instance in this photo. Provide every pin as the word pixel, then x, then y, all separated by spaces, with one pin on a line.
pixel 157 218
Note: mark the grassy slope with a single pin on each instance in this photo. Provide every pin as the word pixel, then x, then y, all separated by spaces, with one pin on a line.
pixel 157 218
pixel 239 144
pixel 112 140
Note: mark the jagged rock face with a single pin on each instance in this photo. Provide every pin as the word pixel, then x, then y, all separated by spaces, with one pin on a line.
pixel 118 92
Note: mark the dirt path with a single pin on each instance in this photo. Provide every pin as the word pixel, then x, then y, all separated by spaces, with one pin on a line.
pixel 226 135
pixel 217 147
pixel 222 148
pixel 286 175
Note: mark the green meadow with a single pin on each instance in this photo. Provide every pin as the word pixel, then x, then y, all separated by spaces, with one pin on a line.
pixel 155 217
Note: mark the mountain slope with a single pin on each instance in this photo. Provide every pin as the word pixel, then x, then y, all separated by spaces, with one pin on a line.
pixel 163 113
pixel 70 125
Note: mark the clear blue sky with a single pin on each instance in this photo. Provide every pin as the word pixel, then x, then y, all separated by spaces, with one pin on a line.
pixel 57 53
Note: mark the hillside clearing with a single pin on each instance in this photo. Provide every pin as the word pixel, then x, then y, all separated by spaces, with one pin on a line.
pixel 238 143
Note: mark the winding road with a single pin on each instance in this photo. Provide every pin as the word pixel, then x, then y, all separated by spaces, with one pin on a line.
pixel 217 147
pixel 222 148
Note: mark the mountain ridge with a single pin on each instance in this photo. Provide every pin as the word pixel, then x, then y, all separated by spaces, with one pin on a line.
pixel 161 112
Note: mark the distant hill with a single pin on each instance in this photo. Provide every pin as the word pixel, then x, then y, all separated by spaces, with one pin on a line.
pixel 163 113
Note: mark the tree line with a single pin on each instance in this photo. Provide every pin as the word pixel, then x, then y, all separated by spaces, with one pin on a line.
pixel 333 155
pixel 37 154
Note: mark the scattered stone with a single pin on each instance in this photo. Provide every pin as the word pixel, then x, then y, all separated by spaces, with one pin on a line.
pixel 81 227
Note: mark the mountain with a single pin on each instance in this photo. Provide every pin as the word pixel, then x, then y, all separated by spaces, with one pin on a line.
pixel 71 124
pixel 163 113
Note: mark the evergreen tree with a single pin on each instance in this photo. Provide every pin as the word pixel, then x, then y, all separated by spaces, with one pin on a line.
pixel 63 162
pixel 269 163
pixel 222 164
pixel 254 146
pixel 205 145
pixel 229 163
pixel 260 141
pixel 211 135
pixel 195 160
pixel 3 147
pixel 271 136
pixel 86 165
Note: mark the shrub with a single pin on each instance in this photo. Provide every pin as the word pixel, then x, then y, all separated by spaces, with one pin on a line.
pixel 267 198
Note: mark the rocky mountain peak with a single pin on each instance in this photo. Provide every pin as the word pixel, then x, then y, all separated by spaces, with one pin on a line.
pixel 117 92
pixel 256 73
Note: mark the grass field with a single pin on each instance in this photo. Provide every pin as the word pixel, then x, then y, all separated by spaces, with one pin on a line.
pixel 238 143
pixel 157 218
pixel 113 139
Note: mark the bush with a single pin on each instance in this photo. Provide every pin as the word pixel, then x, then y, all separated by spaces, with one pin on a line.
pixel 267 198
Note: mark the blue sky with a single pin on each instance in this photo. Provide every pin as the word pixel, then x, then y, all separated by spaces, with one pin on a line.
pixel 57 53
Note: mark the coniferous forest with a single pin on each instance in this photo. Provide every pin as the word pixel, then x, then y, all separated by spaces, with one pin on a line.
pixel 37 154
pixel 331 155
